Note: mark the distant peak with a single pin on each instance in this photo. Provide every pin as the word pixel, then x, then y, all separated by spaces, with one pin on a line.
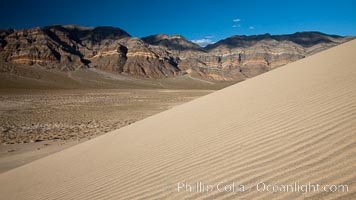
pixel 74 26
pixel 176 36
pixel 175 41
pixel 159 37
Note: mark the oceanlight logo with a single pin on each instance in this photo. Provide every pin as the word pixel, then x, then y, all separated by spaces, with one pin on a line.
pixel 300 188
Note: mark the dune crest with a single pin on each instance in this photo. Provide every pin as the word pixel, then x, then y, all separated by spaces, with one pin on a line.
pixel 295 124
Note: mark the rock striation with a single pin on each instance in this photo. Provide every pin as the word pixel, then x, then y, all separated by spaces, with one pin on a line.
pixel 71 47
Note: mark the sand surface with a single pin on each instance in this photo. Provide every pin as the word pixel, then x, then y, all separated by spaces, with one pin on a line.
pixel 293 125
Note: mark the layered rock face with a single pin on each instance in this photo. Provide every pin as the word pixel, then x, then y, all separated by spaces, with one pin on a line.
pixel 240 57
pixel 65 48
pixel 149 62
pixel 111 49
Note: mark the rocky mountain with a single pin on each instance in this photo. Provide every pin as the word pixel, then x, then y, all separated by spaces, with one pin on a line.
pixel 69 48
pixel 174 42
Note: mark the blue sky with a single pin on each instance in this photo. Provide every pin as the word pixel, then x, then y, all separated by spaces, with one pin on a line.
pixel 206 20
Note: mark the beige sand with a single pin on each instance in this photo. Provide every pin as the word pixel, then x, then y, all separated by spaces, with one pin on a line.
pixel 293 124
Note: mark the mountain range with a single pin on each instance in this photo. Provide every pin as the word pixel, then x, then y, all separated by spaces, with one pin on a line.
pixel 70 48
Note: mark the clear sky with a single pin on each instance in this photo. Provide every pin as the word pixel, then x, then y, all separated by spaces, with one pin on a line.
pixel 204 20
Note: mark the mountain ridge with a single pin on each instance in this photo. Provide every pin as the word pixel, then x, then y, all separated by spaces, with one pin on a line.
pixel 73 47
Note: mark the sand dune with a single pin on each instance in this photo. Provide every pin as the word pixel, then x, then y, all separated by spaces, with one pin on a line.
pixel 293 125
